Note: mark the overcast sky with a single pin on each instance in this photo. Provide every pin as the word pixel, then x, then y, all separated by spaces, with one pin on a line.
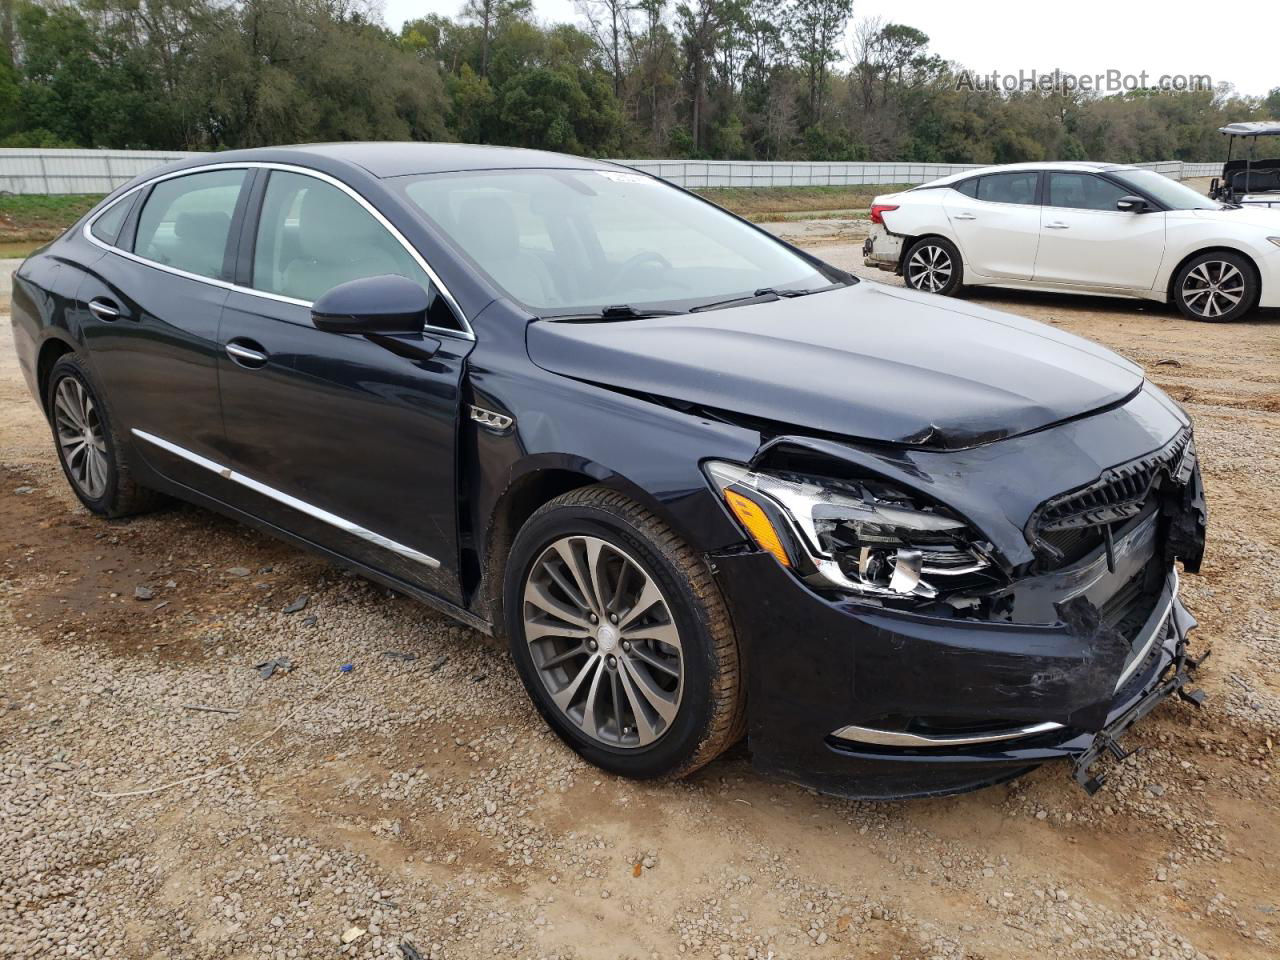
pixel 1008 36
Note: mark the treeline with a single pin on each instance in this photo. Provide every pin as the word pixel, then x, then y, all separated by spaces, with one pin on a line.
pixel 723 79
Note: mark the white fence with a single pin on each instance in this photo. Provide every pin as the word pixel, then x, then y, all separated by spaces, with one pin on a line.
pixel 100 171
pixel 75 171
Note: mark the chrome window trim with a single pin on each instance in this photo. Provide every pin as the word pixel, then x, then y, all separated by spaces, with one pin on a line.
pixel 341 523
pixel 465 333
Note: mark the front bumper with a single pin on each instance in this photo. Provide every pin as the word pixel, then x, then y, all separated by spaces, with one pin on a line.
pixel 823 672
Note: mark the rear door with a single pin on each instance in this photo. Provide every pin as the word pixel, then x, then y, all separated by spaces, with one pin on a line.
pixel 1085 240
pixel 996 223
pixel 346 442
pixel 150 308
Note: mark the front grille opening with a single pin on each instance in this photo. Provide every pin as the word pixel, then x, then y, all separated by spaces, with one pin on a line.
pixel 1069 527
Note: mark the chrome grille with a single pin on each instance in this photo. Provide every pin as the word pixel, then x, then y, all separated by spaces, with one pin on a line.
pixel 1069 526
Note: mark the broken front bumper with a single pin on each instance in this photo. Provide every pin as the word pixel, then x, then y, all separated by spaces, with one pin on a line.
pixel 826 677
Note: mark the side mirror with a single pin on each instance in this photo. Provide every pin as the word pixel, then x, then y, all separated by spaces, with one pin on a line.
pixel 1132 205
pixel 384 305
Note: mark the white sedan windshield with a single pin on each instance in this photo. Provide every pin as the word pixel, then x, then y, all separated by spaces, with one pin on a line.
pixel 576 241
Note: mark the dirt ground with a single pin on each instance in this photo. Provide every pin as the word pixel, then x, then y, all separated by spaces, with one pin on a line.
pixel 418 801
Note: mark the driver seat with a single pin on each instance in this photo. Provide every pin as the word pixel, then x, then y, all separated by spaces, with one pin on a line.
pixel 486 228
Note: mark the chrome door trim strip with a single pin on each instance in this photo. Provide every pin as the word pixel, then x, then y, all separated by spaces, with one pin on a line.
pixel 895 738
pixel 341 523
pixel 86 231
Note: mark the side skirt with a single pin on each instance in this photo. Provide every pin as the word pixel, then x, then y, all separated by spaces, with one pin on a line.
pixel 181 492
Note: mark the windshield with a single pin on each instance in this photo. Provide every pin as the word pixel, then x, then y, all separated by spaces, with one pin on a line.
pixel 567 242
pixel 1171 193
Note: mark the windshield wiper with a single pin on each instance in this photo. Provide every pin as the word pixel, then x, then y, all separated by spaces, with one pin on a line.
pixel 620 311
pixel 763 295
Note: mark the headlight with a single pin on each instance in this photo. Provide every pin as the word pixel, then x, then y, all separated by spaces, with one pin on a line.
pixel 856 536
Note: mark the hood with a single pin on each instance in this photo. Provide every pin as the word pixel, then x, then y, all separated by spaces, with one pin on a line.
pixel 865 362
pixel 1266 218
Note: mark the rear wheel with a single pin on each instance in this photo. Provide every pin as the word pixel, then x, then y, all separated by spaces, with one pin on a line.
pixel 1217 286
pixel 92 454
pixel 621 637
pixel 933 265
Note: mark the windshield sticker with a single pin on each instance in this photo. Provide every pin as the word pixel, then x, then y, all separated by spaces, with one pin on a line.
pixel 619 177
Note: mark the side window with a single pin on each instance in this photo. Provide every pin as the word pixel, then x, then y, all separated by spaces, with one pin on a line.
pixel 107 226
pixel 969 188
pixel 1008 187
pixel 185 221
pixel 313 236
pixel 1083 191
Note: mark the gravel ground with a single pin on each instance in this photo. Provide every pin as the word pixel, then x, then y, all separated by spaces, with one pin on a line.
pixel 418 800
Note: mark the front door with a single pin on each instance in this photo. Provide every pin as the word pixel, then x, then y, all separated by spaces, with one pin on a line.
pixel 346 442
pixel 1085 240
pixel 996 223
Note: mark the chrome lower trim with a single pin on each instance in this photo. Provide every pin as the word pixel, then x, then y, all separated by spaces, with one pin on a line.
pixel 1154 635
pixel 895 738
pixel 341 523
pixel 1157 630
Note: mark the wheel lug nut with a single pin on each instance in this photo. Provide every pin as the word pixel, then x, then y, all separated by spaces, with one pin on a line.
pixel 613 618
pixel 613 661
pixel 594 618
pixel 626 645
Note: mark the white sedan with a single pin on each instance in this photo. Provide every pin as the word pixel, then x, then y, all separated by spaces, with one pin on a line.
pixel 1090 228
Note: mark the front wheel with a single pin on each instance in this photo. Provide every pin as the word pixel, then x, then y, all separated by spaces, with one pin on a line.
pixel 933 265
pixel 1217 286
pixel 621 637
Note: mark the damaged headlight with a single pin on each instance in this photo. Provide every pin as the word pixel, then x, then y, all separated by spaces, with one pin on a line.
pixel 862 537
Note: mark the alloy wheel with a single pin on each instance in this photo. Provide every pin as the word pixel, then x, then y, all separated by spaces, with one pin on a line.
pixel 929 269
pixel 1213 288
pixel 81 438
pixel 603 641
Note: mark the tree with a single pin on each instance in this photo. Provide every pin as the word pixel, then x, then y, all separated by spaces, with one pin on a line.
pixel 815 28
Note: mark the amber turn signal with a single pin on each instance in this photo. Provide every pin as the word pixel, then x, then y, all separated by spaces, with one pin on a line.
pixel 758 525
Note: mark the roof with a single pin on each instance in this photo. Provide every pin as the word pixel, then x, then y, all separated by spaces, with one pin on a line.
pixel 1091 166
pixel 1252 128
pixel 400 159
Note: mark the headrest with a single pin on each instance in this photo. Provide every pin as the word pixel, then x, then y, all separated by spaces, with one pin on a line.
pixel 487 226
pixel 331 225
pixel 207 225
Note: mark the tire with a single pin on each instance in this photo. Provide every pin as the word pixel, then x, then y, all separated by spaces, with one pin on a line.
pixel 933 265
pixel 552 651
pixel 99 473
pixel 1217 287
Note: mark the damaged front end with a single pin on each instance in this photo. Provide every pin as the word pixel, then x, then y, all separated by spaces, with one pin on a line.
pixel 925 622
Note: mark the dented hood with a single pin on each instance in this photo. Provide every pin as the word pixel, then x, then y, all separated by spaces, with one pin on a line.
pixel 867 362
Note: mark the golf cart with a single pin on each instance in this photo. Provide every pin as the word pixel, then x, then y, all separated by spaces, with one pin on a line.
pixel 1249 181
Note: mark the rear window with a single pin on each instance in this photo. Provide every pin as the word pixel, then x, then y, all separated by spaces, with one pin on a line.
pixel 1008 187
pixel 186 221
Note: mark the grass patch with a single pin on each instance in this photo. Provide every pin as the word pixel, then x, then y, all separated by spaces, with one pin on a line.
pixel 776 203
pixel 32 219
pixel 20 250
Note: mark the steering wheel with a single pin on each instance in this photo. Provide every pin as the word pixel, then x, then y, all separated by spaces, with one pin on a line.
pixel 637 261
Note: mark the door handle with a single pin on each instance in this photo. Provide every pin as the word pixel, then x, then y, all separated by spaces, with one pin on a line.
pixel 1057 225
pixel 104 309
pixel 246 356
pixel 965 216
